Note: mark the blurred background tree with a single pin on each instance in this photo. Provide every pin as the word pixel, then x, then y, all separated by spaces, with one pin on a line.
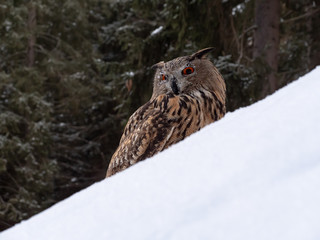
pixel 72 72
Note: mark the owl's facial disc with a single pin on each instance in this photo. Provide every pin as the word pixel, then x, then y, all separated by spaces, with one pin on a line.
pixel 175 76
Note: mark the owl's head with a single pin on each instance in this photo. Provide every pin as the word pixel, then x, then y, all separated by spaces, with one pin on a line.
pixel 187 74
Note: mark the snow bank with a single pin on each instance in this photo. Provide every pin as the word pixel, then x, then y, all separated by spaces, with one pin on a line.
pixel 253 175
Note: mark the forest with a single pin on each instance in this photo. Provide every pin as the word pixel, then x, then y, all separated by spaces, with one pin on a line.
pixel 73 71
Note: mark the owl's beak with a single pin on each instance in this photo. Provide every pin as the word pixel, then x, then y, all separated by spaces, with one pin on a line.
pixel 174 86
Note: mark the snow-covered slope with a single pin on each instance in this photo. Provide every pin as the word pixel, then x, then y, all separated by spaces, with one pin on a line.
pixel 253 175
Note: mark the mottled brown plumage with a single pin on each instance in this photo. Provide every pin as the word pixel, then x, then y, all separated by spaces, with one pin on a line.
pixel 188 94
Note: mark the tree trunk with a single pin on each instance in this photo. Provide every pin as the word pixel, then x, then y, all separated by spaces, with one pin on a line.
pixel 313 26
pixel 266 41
pixel 31 26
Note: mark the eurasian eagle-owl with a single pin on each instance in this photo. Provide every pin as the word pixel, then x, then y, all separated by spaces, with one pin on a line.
pixel 188 94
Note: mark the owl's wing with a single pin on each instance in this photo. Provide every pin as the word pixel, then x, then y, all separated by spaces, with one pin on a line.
pixel 145 134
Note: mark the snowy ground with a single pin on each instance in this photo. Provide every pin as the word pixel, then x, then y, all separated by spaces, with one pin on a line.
pixel 253 175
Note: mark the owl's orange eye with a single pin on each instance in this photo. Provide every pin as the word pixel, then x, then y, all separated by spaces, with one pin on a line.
pixel 187 70
pixel 163 77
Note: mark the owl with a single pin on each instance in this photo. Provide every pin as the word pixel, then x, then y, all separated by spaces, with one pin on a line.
pixel 188 94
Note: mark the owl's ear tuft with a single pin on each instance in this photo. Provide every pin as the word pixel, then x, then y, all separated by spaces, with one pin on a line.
pixel 201 54
pixel 158 65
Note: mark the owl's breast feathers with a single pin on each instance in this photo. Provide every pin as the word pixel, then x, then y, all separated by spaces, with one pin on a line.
pixel 163 121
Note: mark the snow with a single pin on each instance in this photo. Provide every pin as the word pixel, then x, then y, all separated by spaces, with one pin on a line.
pixel 255 174
pixel 156 31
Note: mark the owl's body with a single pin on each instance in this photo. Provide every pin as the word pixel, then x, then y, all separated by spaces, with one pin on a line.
pixel 188 94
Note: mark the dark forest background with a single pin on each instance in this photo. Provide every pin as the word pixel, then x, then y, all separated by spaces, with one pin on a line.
pixel 73 71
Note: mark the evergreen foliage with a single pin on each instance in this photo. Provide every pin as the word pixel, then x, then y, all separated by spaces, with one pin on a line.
pixel 61 116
